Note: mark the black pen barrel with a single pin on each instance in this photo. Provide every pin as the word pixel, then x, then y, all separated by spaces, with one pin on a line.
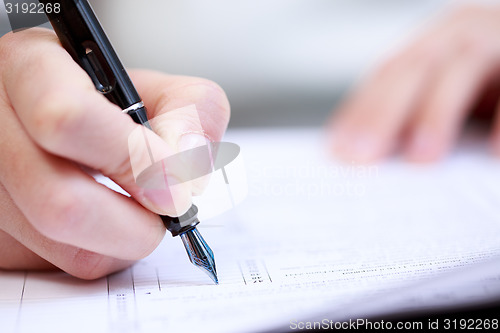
pixel 82 36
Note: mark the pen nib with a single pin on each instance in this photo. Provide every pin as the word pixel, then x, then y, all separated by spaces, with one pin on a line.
pixel 200 253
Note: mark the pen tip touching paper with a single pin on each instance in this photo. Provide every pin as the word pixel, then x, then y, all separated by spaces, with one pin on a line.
pixel 200 253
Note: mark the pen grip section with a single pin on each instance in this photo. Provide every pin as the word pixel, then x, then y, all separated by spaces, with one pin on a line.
pixel 181 224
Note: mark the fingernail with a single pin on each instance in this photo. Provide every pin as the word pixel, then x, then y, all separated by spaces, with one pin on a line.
pixel 190 141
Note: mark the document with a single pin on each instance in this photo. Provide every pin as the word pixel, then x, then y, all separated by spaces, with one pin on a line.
pixel 308 239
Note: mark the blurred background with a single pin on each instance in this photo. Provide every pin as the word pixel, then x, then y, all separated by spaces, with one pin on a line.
pixel 281 62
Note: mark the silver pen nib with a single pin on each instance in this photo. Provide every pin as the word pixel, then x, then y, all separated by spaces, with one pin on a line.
pixel 200 253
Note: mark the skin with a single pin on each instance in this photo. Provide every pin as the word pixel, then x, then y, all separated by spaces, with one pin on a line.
pixel 55 125
pixel 419 99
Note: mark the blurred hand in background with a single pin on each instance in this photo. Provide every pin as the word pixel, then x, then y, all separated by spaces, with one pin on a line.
pixel 419 99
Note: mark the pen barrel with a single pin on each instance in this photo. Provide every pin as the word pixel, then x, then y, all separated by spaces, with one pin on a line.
pixel 81 34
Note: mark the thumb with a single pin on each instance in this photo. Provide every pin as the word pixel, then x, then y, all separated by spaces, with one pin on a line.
pixel 67 117
pixel 188 113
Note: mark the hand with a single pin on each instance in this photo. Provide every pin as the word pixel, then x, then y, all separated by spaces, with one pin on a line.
pixel 54 125
pixel 419 99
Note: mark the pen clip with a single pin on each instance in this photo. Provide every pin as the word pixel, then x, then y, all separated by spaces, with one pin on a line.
pixel 96 67
pixel 82 36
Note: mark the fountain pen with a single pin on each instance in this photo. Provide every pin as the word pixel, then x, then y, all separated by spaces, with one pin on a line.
pixel 81 34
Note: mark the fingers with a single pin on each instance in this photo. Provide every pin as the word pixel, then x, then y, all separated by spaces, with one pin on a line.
pixel 51 201
pixel 69 118
pixel 74 261
pixel 60 200
pixel 19 241
pixel 187 113
pixel 369 123
pixel 419 100
pixel 163 94
pixel 449 97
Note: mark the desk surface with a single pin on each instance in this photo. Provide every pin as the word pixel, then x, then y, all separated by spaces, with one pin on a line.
pixel 341 241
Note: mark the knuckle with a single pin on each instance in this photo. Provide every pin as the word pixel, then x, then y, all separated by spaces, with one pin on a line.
pixel 55 117
pixel 62 214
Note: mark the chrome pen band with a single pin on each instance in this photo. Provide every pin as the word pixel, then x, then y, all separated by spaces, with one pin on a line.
pixel 134 107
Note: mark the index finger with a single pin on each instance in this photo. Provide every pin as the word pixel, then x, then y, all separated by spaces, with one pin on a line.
pixel 63 113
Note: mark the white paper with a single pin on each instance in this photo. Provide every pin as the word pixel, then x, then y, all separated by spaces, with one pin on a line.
pixel 314 239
